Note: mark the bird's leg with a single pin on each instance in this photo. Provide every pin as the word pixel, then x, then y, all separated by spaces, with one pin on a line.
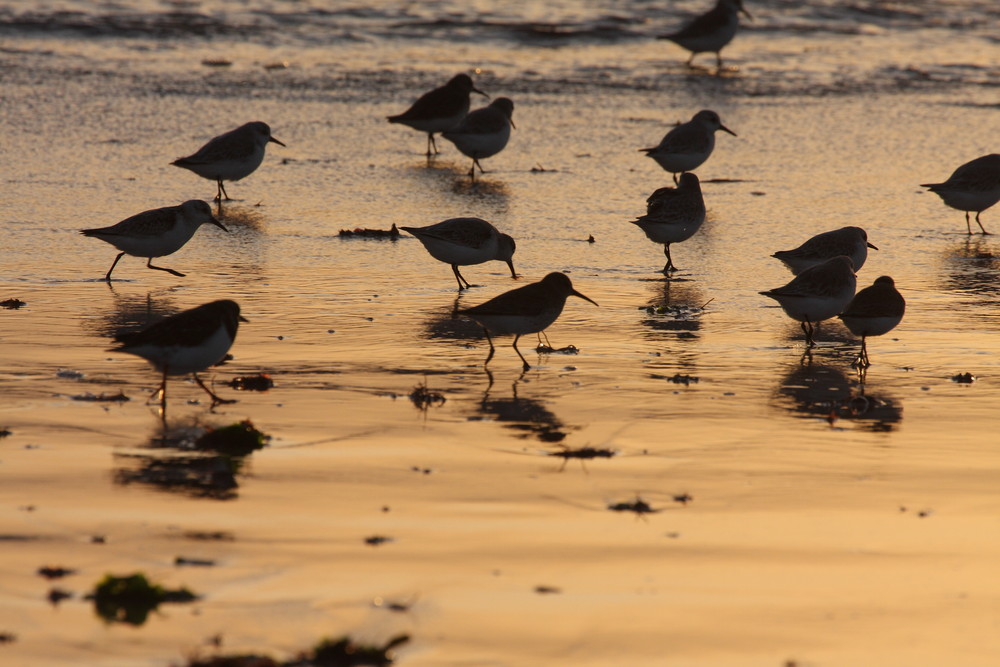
pixel 718 61
pixel 472 172
pixel 222 191
pixel 149 264
pixel 979 223
pixel 676 178
pixel 526 366
pixel 460 278
pixel 690 60
pixel 113 265
pixel 669 266
pixel 430 142
pixel 807 329
pixel 475 163
pixel 162 391
pixel 216 400
pixel 492 349
pixel 865 363
pixel 967 225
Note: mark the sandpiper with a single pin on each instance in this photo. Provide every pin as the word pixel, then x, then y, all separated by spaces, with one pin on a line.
pixel 484 132
pixel 187 342
pixel 156 233
pixel 230 156
pixel 710 31
pixel 850 241
pixel 440 109
pixel 673 215
pixel 524 310
pixel 975 186
pixel 688 145
pixel 818 293
pixel 465 241
pixel 874 311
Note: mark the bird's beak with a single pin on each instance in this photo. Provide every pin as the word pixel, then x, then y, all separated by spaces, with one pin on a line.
pixel 746 13
pixel 513 274
pixel 872 247
pixel 512 124
pixel 726 129
pixel 243 319
pixel 280 143
pixel 476 90
pixel 585 298
pixel 218 224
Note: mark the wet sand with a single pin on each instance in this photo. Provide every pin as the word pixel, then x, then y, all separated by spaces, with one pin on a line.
pixel 797 516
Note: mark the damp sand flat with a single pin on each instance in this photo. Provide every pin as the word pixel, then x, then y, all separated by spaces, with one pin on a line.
pixel 794 518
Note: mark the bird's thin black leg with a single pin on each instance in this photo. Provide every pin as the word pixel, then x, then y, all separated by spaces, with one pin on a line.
pixel 216 400
pixel 526 366
pixel 113 265
pixel 492 349
pixel 149 264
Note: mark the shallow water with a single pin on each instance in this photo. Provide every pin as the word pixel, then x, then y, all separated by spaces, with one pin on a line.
pixel 799 516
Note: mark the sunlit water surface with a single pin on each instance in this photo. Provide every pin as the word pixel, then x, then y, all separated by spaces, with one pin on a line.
pixel 800 516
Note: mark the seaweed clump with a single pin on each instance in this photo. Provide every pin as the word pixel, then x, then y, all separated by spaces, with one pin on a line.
pixel 130 599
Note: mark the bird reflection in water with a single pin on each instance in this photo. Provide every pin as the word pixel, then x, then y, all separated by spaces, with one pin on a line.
pixel 527 417
pixel 972 267
pixel 823 390
pixel 192 458
pixel 674 307
pixel 132 312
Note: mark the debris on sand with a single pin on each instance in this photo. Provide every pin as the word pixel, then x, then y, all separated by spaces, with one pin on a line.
pixel 88 397
pixel 360 233
pixel 424 398
pixel 545 349
pixel 258 382
pixel 237 439
pixel 129 599
pixel 12 304
pixel 342 652
pixel 638 506
pixel 50 572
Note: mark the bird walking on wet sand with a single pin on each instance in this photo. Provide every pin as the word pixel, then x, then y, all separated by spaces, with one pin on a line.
pixel 484 132
pixel 230 156
pixel 850 241
pixel 711 31
pixel 673 215
pixel 687 146
pixel 156 233
pixel 440 109
pixel 817 294
pixel 465 241
pixel 975 186
pixel 187 342
pixel 524 310
pixel 874 311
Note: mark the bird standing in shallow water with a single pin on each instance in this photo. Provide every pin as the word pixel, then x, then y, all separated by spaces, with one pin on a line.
pixel 673 215
pixel 484 132
pixel 975 186
pixel 187 342
pixel 440 109
pixel 465 241
pixel 156 233
pixel 710 31
pixel 230 156
pixel 817 294
pixel 874 311
pixel 524 310
pixel 687 146
pixel 850 241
